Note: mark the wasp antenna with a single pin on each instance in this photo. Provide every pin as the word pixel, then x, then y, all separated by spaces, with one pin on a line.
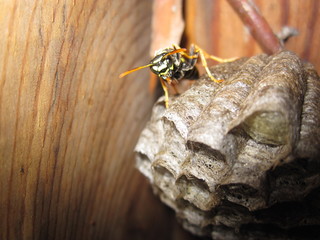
pixel 175 51
pixel 133 70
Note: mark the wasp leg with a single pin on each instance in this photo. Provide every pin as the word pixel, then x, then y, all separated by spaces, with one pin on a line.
pixel 215 58
pixel 205 65
pixel 166 95
pixel 189 56
pixel 183 52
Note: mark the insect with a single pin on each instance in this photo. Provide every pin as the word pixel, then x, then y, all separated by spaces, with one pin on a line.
pixel 174 64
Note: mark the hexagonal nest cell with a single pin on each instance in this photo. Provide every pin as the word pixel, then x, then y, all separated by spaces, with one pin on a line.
pixel 240 159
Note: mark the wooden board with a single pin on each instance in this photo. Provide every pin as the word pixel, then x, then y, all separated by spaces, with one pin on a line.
pixel 217 28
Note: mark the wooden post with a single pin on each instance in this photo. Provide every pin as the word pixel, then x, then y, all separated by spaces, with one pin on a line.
pixel 68 124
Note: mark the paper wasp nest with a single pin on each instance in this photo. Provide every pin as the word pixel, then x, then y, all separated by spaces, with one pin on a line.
pixel 240 159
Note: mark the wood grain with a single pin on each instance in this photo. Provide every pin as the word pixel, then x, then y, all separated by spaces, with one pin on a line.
pixel 68 124
pixel 216 27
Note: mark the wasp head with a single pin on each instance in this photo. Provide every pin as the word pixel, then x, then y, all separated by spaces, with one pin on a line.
pixel 165 64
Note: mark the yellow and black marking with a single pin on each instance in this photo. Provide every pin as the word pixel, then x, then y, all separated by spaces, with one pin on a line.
pixel 174 64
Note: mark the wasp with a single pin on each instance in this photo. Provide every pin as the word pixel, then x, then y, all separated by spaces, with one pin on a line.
pixel 174 64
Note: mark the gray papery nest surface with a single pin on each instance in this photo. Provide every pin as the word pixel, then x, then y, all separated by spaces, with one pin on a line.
pixel 240 159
